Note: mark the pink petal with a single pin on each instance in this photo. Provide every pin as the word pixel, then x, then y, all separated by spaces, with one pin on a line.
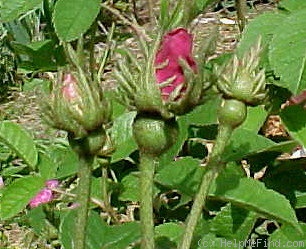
pixel 69 88
pixel 175 45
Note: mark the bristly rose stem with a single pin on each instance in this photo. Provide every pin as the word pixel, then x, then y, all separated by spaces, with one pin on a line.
pixel 147 169
pixel 212 170
pixel 241 8
pixel 83 199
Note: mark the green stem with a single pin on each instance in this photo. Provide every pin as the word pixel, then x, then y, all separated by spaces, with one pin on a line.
pixel 212 170
pixel 80 52
pixel 92 61
pixel 147 168
pixel 241 9
pixel 151 11
pixel 84 175
pixel 105 192
pixel 138 29
pixel 104 184
pixel 49 26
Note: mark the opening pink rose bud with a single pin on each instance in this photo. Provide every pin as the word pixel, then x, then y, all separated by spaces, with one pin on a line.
pixel 69 88
pixel 175 45
pixel 45 195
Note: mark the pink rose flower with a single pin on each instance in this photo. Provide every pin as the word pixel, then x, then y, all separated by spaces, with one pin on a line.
pixel 45 195
pixel 175 45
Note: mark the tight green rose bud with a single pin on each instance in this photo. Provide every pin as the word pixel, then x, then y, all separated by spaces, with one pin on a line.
pixel 232 112
pixel 154 136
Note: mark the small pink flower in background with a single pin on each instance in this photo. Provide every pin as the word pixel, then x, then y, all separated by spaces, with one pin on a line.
pixel 1 182
pixel 52 183
pixel 69 87
pixel 175 45
pixel 45 195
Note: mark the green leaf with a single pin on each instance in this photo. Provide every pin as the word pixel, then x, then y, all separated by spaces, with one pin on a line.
pixel 12 9
pixel 130 185
pixel 18 140
pixel 12 170
pixel 288 178
pixel 121 236
pixel 170 154
pixel 172 231
pixel 202 4
pixel 65 159
pixel 164 13
pixel 196 7
pixel 202 115
pixel 122 135
pixel 46 167
pixel 288 52
pixel 205 114
pixel 99 234
pixel 233 222
pixel 264 26
pixel 17 195
pixel 292 5
pixel 38 55
pixel 254 196
pixel 294 118
pixel 245 142
pixel 36 84
pixel 96 230
pixel 72 18
pixel 300 200
pixel 286 237
pixel 37 219
pixel 19 32
pixel 183 175
pixel 255 118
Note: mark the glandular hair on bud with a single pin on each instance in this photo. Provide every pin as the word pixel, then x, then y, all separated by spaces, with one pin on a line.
pixel 154 135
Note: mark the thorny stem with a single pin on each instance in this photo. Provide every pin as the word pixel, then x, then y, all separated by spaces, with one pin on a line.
pixel 83 198
pixel 210 173
pixel 139 30
pixel 147 168
pixel 241 8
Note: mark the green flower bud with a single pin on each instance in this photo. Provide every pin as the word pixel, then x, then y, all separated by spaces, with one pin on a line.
pixel 166 80
pixel 232 112
pixel 154 136
pixel 242 79
pixel 77 106
pixel 89 145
